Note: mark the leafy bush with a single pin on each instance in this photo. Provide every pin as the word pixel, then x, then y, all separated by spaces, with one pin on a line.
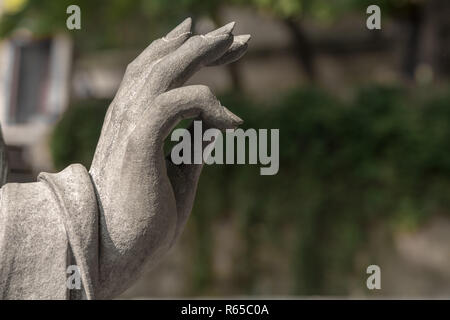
pixel 76 135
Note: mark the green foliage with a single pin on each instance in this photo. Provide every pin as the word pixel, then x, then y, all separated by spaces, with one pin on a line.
pixel 134 23
pixel 318 9
pixel 104 23
pixel 75 136
pixel 344 167
pixel 381 159
pixel 324 10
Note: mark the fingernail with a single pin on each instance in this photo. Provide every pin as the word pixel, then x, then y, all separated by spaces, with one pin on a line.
pixel 242 39
pixel 234 118
pixel 228 28
pixel 182 28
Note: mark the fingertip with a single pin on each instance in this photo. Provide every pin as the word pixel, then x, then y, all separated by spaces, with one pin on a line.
pixel 243 39
pixel 226 29
pixel 237 49
pixel 183 28
pixel 216 46
pixel 234 119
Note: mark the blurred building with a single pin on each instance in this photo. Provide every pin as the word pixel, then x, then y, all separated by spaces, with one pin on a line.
pixel 34 92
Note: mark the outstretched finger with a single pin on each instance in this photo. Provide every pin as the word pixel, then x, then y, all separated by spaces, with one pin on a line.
pixel 137 71
pixel 163 46
pixel 175 68
pixel 237 49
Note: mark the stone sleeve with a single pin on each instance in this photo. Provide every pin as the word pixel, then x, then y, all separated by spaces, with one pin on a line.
pixel 45 227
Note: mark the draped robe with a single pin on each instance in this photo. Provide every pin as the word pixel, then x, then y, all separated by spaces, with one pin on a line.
pixel 45 227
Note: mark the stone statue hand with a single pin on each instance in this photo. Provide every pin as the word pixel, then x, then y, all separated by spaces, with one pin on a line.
pixel 144 199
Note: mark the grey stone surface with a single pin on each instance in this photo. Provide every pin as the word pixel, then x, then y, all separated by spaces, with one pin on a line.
pixel 131 206
pixel 3 160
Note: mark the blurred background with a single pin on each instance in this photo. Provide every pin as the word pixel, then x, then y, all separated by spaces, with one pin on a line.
pixel 364 119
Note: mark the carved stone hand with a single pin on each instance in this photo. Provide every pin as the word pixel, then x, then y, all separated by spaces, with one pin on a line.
pixel 144 199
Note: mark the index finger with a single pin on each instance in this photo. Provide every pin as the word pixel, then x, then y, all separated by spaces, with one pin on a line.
pixel 163 46
pixel 176 67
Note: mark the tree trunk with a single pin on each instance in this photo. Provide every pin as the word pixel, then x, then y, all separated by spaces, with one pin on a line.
pixel 304 50
pixel 414 23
